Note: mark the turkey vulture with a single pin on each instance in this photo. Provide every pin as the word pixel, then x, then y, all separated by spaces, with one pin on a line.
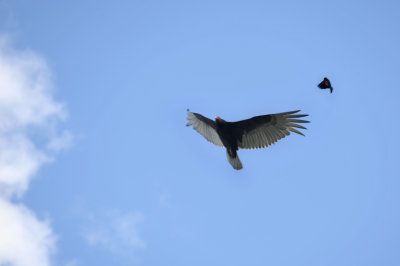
pixel 254 133
pixel 325 84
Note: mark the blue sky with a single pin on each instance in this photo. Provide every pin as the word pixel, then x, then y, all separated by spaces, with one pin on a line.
pixel 98 167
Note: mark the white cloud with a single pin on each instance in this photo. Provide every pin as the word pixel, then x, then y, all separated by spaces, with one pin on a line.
pixel 25 90
pixel 19 161
pixel 24 241
pixel 115 231
pixel 26 105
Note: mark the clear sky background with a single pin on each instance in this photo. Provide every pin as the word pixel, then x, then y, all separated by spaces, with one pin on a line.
pixel 98 168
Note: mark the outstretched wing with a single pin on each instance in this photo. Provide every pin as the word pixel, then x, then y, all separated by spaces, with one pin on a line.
pixel 262 131
pixel 205 126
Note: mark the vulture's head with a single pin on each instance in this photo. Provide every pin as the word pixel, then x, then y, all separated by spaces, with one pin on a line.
pixel 219 120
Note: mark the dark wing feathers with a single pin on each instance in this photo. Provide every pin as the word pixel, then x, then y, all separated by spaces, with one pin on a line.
pixel 205 126
pixel 262 131
pixel 325 84
pixel 252 123
pixel 322 85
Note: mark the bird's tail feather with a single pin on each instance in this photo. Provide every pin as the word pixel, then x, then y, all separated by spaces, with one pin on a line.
pixel 234 161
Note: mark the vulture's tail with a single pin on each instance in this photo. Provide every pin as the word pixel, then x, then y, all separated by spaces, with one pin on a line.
pixel 234 160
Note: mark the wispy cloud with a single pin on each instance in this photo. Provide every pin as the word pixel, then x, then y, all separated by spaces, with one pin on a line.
pixel 72 263
pixel 61 142
pixel 115 231
pixel 26 105
pixel 164 196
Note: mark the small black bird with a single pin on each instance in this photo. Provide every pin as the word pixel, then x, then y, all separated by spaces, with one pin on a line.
pixel 325 84
pixel 254 133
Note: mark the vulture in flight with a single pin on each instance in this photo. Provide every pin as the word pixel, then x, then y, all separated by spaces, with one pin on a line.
pixel 325 84
pixel 254 133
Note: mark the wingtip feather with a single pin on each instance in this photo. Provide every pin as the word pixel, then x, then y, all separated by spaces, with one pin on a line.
pixel 296 125
pixel 296 116
pixel 295 131
pixel 297 120
pixel 290 112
